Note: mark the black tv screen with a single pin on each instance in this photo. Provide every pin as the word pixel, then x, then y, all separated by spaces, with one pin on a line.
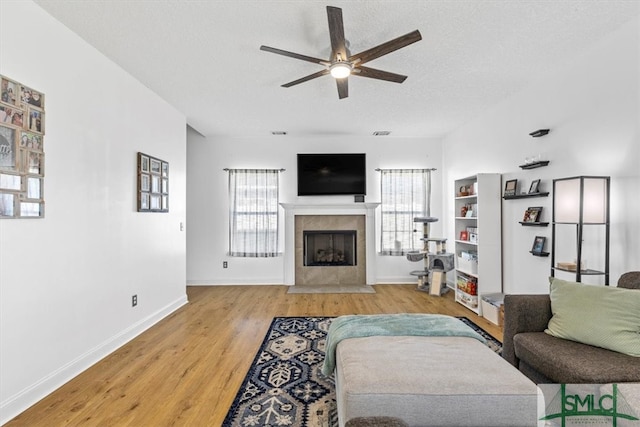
pixel 332 174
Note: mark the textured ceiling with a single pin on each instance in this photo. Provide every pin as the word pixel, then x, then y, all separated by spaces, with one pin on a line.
pixel 203 57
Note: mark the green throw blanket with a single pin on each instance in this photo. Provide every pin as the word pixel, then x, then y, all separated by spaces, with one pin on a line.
pixel 355 326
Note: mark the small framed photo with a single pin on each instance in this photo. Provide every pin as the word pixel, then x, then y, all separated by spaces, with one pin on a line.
pixel 31 209
pixel 10 182
pixel 155 202
pixel 35 121
pixel 534 187
pixel 34 162
pixel 510 187
pixel 31 141
pixel 14 117
pixel 30 96
pixel 464 235
pixel 532 214
pixel 143 163
pixel 473 237
pixel 155 184
pixel 538 245
pixel 6 113
pixel 8 148
pixel 7 205
pixel 155 166
pixel 10 91
pixel 144 201
pixel 34 188
pixel 145 182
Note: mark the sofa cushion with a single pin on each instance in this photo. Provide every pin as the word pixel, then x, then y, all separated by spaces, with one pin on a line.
pixel 569 362
pixel 601 316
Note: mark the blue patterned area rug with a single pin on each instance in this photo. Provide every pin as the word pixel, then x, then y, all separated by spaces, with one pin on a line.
pixel 284 385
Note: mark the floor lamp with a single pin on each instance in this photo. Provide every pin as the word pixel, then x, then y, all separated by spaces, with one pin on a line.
pixel 580 201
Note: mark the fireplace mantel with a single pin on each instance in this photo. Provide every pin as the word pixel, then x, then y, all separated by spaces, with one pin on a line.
pixel 293 209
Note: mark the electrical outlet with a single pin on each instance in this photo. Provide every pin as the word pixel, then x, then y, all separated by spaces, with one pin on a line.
pixel 225 264
pixel 134 300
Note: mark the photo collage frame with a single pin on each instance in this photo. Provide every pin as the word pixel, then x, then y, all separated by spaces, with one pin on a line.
pixel 153 184
pixel 22 129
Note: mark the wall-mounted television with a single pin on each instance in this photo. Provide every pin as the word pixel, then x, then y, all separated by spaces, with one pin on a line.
pixel 332 174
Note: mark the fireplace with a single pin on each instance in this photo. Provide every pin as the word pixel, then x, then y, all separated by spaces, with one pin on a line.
pixel 328 218
pixel 329 248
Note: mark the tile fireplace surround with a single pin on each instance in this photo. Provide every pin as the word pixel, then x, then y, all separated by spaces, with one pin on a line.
pixel 351 216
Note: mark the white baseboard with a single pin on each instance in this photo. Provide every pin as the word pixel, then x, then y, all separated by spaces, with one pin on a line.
pixel 22 400
pixel 235 282
pixel 398 280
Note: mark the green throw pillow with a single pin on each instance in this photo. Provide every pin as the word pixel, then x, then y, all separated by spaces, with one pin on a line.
pixel 601 316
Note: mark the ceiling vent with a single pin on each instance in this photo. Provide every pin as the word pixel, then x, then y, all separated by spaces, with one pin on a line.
pixel 381 133
pixel 278 132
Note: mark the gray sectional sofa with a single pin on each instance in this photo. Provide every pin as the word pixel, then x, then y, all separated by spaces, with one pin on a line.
pixel 548 359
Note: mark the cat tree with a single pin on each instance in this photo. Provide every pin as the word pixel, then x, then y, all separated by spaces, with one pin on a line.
pixel 433 278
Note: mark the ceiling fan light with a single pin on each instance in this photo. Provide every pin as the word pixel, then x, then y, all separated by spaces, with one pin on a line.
pixel 340 70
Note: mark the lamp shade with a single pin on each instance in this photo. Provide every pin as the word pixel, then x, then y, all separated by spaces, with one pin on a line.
pixel 588 195
pixel 340 70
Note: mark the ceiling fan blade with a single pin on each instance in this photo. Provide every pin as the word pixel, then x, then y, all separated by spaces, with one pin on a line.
pixel 295 55
pixel 388 47
pixel 378 74
pixel 336 32
pixel 343 87
pixel 307 78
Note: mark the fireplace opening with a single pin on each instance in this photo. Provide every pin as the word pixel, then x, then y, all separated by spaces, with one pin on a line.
pixel 330 248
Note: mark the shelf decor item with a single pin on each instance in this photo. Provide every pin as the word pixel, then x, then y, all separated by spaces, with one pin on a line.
pixel 580 201
pixel 534 187
pixel 532 214
pixel 510 187
pixel 538 245
pixel 153 184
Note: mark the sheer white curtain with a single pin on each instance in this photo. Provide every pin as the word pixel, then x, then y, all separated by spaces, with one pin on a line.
pixel 253 212
pixel 405 194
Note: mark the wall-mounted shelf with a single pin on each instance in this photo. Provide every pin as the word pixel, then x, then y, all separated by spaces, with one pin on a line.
pixel 534 224
pixel 535 165
pixel 526 196
pixel 542 254
pixel 587 272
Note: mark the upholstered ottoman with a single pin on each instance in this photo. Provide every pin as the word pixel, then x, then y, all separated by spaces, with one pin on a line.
pixel 431 381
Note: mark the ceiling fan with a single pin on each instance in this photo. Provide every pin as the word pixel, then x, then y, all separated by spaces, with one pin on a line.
pixel 342 64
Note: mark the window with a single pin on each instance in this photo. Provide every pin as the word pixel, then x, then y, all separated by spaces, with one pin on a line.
pixel 253 212
pixel 405 194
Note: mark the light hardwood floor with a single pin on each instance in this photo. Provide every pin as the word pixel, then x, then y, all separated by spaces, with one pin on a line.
pixel 186 370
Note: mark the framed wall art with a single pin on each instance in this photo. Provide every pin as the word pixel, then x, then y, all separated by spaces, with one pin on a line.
pixel 532 214
pixel 21 150
pixel 538 245
pixel 153 184
pixel 510 187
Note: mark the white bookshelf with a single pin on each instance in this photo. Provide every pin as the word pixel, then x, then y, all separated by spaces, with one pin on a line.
pixel 485 193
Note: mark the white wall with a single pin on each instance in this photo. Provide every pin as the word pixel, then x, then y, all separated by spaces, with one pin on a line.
pixel 66 281
pixel 592 109
pixel 207 198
